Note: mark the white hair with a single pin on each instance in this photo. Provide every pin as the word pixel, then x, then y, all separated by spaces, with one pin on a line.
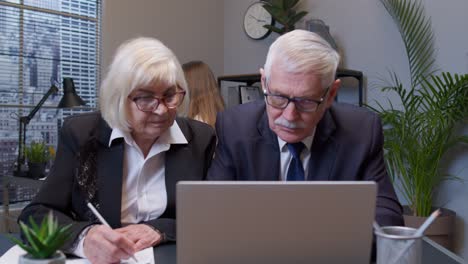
pixel 301 51
pixel 137 63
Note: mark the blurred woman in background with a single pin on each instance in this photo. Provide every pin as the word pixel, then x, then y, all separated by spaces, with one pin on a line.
pixel 205 99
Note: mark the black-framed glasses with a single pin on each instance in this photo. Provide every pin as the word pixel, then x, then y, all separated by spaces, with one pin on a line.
pixel 149 103
pixel 302 104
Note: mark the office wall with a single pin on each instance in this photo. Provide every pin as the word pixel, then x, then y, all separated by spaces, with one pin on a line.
pixel 192 29
pixel 370 42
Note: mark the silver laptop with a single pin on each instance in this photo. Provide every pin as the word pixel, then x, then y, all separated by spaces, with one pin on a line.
pixel 274 222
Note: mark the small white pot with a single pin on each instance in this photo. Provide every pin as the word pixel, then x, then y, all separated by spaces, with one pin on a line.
pixel 57 258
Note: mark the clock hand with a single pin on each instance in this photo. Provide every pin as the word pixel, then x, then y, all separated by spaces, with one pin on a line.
pixel 258 20
pixel 254 18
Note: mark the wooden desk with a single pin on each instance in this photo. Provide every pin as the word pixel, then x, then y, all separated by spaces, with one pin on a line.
pixel 17 181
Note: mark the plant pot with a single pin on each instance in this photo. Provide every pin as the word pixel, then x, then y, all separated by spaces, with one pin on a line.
pixel 36 170
pixel 57 258
pixel 440 231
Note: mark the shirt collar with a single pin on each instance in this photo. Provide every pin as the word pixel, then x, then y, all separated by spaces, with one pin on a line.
pixel 173 135
pixel 307 141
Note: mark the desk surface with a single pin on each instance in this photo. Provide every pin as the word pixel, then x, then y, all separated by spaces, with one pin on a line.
pixel 22 189
pixel 16 190
pixel 166 254
pixel 22 181
pixel 163 254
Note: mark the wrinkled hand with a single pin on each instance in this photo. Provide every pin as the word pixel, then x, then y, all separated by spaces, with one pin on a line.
pixel 142 235
pixel 104 245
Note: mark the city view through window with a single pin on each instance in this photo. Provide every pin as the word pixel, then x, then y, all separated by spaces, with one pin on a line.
pixel 41 42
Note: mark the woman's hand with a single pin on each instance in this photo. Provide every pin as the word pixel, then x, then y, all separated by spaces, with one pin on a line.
pixel 142 235
pixel 104 245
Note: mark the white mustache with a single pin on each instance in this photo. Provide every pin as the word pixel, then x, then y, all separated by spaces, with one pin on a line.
pixel 285 123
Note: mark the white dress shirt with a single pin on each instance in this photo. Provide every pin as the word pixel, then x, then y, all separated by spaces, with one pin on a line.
pixel 286 157
pixel 144 195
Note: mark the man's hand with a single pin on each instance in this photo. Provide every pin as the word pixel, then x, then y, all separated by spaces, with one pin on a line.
pixel 104 245
pixel 142 235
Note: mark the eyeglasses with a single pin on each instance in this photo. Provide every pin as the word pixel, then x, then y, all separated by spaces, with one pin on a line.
pixel 149 103
pixel 302 104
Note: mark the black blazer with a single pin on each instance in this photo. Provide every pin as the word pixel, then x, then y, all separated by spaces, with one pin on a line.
pixel 87 169
pixel 347 146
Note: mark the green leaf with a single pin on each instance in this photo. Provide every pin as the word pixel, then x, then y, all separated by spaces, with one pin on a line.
pixel 45 239
pixel 21 244
pixel 278 14
pixel 282 12
pixel 294 19
pixel 33 224
pixel 277 3
pixel 416 32
pixel 274 29
pixel 288 4
pixel 30 237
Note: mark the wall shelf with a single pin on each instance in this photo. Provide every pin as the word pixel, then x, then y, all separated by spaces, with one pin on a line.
pixel 250 79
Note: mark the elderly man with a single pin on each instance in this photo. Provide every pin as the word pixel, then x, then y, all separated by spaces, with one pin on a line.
pixel 297 133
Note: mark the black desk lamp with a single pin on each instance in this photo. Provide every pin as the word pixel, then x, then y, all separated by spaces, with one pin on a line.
pixel 69 99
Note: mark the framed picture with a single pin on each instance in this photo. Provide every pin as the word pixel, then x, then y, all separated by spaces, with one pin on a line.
pixel 230 92
pixel 250 93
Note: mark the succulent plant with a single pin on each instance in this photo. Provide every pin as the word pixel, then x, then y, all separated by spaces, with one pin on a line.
pixel 45 239
pixel 282 12
pixel 38 152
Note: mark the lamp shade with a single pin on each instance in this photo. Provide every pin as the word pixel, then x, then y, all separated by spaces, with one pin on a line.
pixel 70 98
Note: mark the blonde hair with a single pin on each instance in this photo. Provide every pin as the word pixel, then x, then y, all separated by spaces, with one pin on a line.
pixel 301 51
pixel 205 100
pixel 138 62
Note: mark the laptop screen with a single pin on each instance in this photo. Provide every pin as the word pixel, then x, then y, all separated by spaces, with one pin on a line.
pixel 275 222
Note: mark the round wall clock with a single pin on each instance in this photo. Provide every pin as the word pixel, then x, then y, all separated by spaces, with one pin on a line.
pixel 254 19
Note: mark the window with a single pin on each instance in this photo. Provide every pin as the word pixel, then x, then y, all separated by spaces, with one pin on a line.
pixel 41 42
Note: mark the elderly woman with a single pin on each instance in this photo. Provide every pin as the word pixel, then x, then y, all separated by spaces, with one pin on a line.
pixel 127 158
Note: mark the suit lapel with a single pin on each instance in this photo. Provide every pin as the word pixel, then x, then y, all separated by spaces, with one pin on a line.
pixel 174 159
pixel 109 176
pixel 171 170
pixel 323 150
pixel 322 153
pixel 266 151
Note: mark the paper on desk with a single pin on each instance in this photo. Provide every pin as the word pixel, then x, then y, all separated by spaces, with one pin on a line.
pixel 144 256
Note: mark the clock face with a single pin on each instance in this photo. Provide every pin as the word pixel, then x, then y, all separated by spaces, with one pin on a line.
pixel 255 17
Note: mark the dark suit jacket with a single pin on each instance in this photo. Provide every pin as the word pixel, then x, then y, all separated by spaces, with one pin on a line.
pixel 348 146
pixel 87 169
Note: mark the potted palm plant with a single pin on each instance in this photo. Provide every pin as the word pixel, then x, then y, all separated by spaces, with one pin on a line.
pixel 37 155
pixel 419 132
pixel 43 241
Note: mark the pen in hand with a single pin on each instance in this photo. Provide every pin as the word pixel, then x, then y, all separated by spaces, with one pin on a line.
pixel 104 222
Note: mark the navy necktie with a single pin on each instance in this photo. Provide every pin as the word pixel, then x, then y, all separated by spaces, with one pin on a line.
pixel 296 171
